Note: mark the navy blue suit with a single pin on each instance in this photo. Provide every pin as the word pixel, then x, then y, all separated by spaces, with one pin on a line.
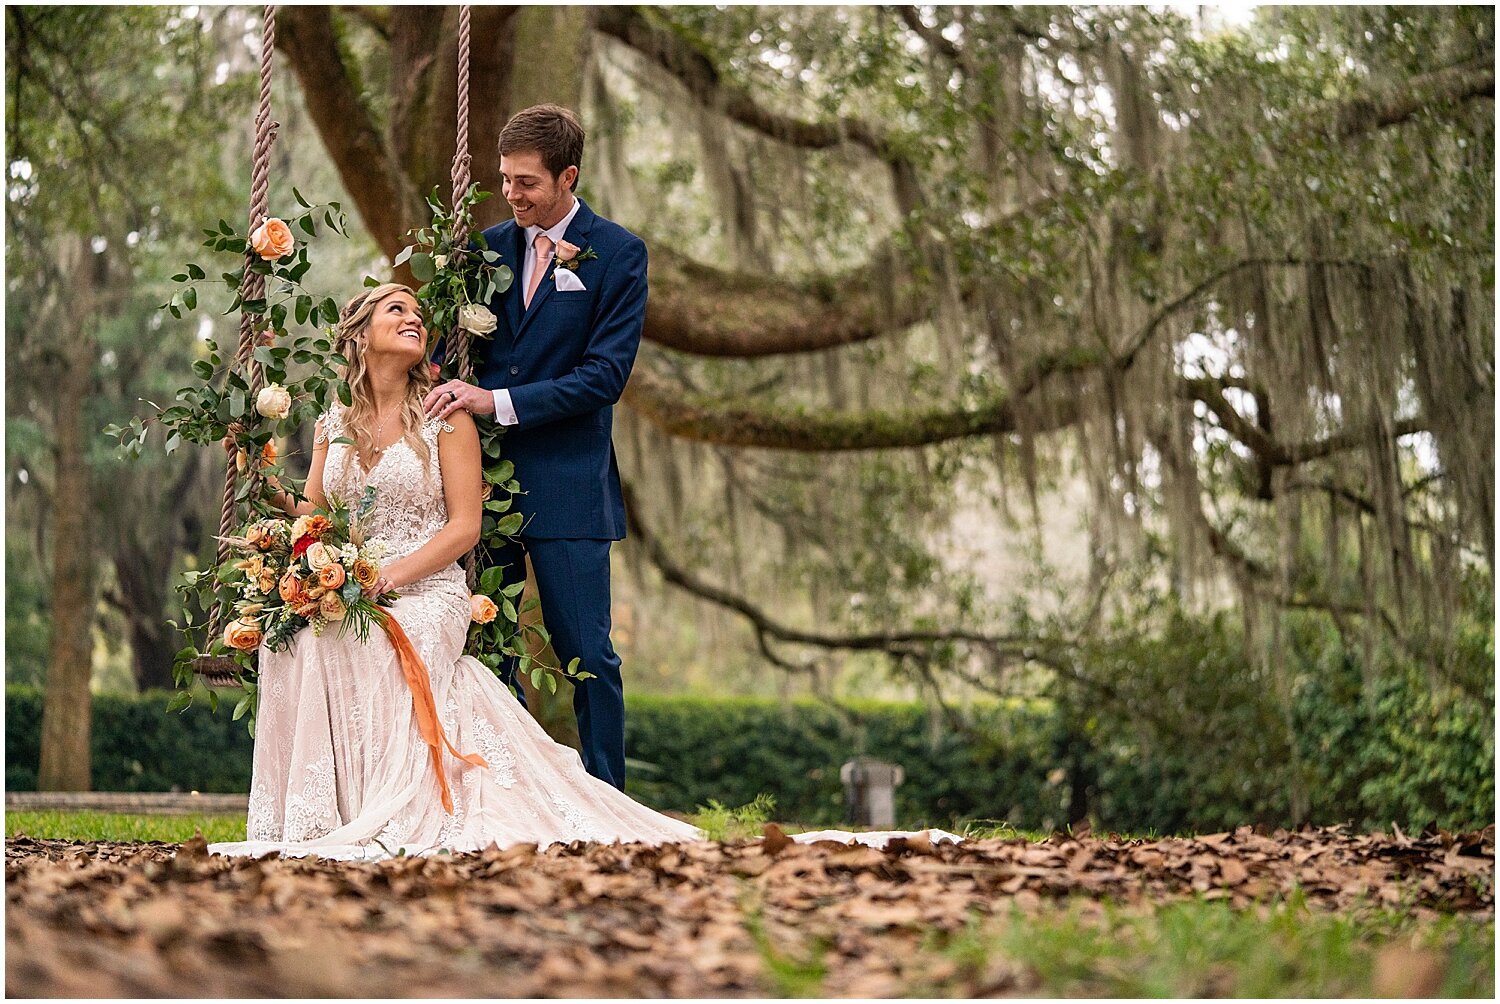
pixel 565 361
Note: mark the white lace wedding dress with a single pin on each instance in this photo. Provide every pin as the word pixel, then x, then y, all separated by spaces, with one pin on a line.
pixel 341 769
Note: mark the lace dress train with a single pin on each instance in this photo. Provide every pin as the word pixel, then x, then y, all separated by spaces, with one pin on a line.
pixel 341 769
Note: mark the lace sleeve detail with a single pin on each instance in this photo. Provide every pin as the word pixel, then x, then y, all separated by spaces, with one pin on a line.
pixel 333 426
pixel 432 428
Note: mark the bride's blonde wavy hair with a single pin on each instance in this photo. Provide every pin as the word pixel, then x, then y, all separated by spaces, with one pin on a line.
pixel 352 339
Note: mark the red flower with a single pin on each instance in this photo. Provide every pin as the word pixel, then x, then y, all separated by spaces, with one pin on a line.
pixel 303 543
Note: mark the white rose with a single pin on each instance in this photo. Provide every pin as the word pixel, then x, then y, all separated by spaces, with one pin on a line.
pixel 441 261
pixel 274 402
pixel 476 318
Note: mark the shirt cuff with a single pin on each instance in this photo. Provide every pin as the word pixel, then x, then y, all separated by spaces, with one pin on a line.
pixel 505 411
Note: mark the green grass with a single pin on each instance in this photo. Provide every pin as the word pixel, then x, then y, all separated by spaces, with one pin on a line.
pixel 116 827
pixel 1198 949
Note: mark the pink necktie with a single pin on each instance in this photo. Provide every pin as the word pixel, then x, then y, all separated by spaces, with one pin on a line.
pixel 543 245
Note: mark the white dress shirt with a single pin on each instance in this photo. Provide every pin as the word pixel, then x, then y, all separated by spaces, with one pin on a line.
pixel 505 410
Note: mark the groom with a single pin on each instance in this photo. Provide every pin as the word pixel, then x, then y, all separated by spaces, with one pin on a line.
pixel 566 338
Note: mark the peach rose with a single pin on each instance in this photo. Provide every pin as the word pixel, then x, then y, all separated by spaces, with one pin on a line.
pixel 272 239
pixel 319 557
pixel 331 577
pixel 482 609
pixel 254 533
pixel 269 453
pixel 567 250
pixel 266 581
pixel 332 607
pixel 365 573
pixel 243 634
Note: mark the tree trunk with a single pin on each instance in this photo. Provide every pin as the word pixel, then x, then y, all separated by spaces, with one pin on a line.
pixel 67 707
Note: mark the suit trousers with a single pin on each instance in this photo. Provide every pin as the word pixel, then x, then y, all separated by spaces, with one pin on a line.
pixel 572 578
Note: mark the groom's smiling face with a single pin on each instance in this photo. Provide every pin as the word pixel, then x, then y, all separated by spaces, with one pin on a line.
pixel 537 197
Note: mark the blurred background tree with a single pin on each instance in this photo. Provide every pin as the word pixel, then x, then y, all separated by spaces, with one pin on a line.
pixel 1137 361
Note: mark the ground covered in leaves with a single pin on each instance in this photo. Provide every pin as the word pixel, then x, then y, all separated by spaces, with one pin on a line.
pixel 764 917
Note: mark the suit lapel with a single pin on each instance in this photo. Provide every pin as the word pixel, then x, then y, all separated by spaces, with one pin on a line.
pixel 577 233
pixel 513 296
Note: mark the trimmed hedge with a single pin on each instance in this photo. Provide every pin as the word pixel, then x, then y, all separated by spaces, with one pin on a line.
pixel 1407 757
pixel 686 751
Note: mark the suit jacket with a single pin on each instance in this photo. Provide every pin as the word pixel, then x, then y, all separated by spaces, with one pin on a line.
pixel 565 361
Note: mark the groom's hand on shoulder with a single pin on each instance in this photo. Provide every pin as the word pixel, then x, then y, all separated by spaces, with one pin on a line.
pixel 454 395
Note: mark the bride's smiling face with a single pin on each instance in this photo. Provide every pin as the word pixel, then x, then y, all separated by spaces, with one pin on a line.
pixel 396 329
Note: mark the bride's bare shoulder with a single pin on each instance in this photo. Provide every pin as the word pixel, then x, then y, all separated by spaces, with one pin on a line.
pixel 460 422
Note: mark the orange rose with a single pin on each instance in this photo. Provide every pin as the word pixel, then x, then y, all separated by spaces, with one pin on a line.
pixel 331 576
pixel 292 590
pixel 268 453
pixel 272 239
pixel 243 634
pixel 266 581
pixel 365 573
pixel 482 609
pixel 332 607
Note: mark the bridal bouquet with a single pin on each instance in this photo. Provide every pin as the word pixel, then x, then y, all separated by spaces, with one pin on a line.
pixel 309 572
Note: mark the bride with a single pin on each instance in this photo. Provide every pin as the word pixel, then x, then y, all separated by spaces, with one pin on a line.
pixel 341 767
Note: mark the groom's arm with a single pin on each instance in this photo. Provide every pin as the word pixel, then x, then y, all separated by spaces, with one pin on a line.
pixel 599 378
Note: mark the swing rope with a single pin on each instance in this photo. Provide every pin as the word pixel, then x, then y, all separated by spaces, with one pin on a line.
pixel 463 366
pixel 221 670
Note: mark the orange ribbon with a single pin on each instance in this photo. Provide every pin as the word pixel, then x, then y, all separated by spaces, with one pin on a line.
pixel 425 707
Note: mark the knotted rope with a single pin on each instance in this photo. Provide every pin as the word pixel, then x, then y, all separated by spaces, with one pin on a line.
pixel 253 287
pixel 463 367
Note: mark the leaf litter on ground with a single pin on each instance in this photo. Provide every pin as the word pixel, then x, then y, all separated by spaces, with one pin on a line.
pixel 744 917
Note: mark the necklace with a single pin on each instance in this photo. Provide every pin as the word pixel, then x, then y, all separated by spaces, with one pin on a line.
pixel 379 434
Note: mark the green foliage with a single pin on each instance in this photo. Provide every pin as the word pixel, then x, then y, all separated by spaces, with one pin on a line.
pixel 136 745
pixel 723 823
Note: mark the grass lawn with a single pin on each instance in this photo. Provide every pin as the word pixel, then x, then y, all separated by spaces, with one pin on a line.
pixel 114 827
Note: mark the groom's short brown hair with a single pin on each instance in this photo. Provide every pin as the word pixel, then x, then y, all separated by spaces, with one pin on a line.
pixel 550 130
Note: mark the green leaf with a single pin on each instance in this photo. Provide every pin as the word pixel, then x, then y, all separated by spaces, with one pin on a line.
pixel 510 524
pixel 240 708
pixel 403 254
pixel 300 200
pixel 345 395
pixel 330 312
pixel 423 268
pixel 180 701
pixel 551 683
pixel 307 225
pixel 490 579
